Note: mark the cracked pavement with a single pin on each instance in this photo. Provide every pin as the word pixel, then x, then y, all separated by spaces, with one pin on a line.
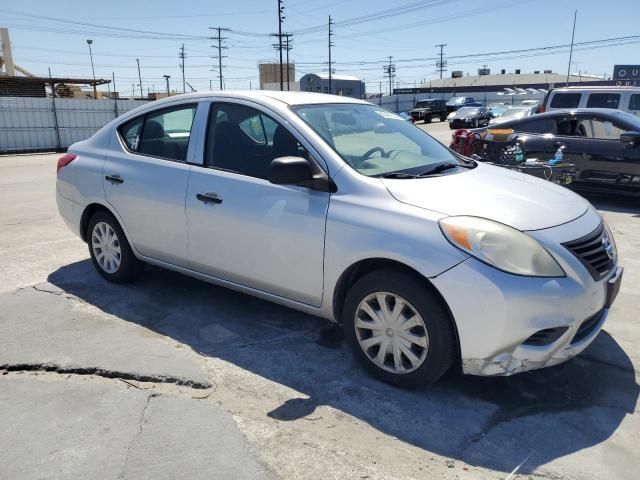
pixel 171 378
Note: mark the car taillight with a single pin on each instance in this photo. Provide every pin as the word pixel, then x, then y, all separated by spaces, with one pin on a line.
pixel 65 160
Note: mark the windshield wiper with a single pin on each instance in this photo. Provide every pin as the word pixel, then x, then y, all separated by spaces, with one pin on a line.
pixel 439 168
pixel 397 175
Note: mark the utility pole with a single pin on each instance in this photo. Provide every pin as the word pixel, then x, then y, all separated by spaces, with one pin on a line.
pixel 139 78
pixel 93 72
pixel 280 20
pixel 442 64
pixel 167 77
pixel 182 56
pixel 219 38
pixel 287 46
pixel 390 71
pixel 330 45
pixel 573 34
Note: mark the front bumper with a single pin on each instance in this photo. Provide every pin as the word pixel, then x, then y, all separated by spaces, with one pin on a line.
pixel 497 313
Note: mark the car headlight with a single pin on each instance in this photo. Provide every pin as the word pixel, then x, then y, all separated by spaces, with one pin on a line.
pixel 500 246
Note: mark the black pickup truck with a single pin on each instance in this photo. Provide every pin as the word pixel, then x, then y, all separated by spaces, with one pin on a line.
pixel 428 109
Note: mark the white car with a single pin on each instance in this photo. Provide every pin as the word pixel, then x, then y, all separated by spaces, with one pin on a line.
pixel 341 209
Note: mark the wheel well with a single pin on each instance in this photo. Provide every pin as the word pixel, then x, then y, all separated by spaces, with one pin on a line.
pixel 86 216
pixel 358 270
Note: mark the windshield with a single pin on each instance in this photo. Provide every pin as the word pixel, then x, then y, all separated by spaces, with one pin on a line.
pixel 423 104
pixel 515 112
pixel 374 141
pixel 467 111
pixel 455 101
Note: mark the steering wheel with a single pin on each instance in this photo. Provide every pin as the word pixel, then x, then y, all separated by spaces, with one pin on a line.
pixel 368 153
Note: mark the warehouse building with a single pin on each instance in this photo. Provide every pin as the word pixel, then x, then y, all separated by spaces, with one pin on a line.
pixel 346 85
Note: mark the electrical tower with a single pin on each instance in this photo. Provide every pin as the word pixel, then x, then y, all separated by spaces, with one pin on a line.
pixel 442 64
pixel 390 71
pixel 182 56
pixel 219 38
pixel 330 45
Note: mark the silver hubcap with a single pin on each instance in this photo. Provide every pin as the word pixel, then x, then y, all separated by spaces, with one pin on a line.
pixel 391 332
pixel 106 247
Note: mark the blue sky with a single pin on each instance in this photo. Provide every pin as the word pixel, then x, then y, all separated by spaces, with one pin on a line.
pixel 467 27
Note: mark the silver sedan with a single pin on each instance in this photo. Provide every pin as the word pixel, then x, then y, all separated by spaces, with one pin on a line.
pixel 339 208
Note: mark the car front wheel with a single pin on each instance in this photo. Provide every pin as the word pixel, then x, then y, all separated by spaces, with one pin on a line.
pixel 398 328
pixel 110 251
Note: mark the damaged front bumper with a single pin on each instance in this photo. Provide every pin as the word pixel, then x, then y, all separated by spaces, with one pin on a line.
pixel 509 324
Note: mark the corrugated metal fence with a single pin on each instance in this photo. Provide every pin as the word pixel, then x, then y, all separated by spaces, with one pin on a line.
pixel 40 124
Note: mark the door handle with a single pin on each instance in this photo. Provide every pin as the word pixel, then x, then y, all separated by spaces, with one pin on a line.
pixel 209 197
pixel 114 179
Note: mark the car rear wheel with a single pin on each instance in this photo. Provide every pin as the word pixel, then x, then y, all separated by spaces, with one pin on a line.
pixel 110 251
pixel 443 118
pixel 398 328
pixel 427 119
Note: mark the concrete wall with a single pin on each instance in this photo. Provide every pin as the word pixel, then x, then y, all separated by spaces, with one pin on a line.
pixel 32 124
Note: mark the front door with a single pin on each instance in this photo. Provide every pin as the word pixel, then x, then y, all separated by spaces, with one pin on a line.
pixel 145 181
pixel 241 227
pixel 592 143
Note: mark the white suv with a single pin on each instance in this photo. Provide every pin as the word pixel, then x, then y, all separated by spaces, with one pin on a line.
pixel 626 99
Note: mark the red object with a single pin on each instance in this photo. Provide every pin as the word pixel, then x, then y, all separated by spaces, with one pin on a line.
pixel 462 141
pixel 64 160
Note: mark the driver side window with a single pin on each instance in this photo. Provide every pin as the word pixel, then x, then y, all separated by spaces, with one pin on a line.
pixel 244 140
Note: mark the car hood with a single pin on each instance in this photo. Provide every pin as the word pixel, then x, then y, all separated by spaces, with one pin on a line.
pixel 521 201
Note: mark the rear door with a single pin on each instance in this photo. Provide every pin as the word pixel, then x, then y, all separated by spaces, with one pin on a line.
pixel 145 180
pixel 592 143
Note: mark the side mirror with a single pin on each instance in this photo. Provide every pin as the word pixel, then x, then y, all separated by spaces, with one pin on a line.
pixel 630 137
pixel 290 171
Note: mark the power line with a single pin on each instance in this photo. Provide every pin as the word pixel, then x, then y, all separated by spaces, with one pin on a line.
pixel 390 71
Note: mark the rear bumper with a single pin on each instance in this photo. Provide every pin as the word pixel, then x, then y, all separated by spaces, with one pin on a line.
pixel 70 211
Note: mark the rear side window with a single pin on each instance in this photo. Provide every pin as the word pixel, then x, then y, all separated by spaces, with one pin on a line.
pixel 603 100
pixel 565 100
pixel 130 133
pixel 634 102
pixel 162 133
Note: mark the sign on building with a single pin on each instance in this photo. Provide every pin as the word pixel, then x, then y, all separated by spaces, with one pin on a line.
pixel 627 74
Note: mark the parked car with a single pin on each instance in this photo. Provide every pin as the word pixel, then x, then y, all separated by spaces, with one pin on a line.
pixel 498 105
pixel 429 109
pixel 603 144
pixel 626 99
pixel 512 114
pixel 470 117
pixel 530 103
pixel 498 110
pixel 426 258
pixel 454 103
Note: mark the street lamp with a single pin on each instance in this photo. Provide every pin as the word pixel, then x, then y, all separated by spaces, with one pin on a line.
pixel 167 77
pixel 93 72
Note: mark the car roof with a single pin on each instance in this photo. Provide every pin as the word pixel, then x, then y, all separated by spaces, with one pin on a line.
pixel 595 87
pixel 266 96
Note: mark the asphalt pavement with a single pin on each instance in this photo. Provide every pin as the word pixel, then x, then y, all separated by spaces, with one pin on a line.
pixel 170 377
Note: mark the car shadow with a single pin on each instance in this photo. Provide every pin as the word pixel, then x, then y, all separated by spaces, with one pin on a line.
pixel 488 422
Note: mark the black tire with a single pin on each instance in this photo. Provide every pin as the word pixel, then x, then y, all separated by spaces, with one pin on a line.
pixel 443 118
pixel 441 351
pixel 427 119
pixel 130 267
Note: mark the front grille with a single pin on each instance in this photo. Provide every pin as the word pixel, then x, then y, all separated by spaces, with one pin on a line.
pixel 592 252
pixel 588 326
